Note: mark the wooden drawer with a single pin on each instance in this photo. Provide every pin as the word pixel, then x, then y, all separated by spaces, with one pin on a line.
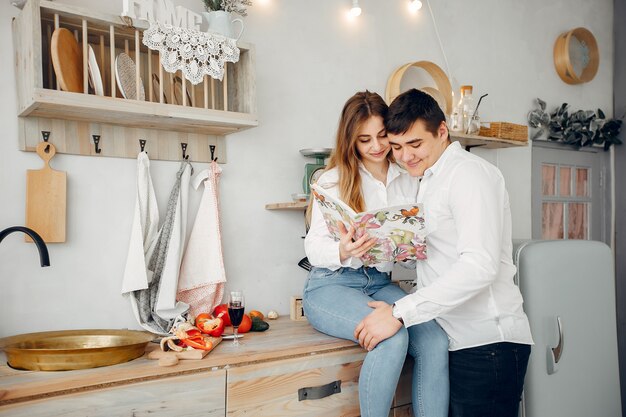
pixel 191 395
pixel 271 389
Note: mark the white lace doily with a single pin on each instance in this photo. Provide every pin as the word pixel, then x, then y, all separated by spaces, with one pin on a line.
pixel 193 52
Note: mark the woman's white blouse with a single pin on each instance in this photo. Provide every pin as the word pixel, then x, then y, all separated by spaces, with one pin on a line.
pixel 320 246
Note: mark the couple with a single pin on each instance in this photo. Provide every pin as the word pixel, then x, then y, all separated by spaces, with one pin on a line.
pixel 464 326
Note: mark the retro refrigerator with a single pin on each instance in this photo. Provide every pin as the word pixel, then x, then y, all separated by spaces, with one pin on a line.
pixel 569 296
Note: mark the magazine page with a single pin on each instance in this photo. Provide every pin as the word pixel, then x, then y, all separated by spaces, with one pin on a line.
pixel 401 230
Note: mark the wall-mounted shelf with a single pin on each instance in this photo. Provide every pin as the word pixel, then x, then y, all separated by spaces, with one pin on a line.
pixel 294 205
pixel 470 141
pixel 205 112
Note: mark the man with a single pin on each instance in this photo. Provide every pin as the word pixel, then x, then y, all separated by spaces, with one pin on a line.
pixel 466 283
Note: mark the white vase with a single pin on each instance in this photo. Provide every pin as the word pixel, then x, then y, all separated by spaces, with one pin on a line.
pixel 221 22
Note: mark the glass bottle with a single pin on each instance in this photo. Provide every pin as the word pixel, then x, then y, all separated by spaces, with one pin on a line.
pixel 456 119
pixel 466 106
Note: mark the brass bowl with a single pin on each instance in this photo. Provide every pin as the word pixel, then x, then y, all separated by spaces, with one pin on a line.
pixel 74 349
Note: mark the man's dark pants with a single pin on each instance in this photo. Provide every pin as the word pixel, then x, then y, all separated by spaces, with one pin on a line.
pixel 487 381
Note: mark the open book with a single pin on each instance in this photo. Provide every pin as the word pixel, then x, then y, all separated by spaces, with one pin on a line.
pixel 400 229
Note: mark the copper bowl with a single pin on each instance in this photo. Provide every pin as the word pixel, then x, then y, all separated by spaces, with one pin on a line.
pixel 74 349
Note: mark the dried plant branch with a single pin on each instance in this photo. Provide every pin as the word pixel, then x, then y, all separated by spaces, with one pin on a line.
pixel 231 6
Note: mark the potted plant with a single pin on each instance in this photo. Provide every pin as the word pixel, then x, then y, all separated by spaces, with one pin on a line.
pixel 580 128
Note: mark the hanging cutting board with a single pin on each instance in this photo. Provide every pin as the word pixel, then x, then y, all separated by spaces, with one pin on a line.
pixel 46 198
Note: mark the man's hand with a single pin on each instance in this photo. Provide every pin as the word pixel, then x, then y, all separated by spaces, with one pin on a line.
pixel 349 248
pixel 377 326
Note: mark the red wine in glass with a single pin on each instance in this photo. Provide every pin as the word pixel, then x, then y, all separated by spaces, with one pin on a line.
pixel 236 308
pixel 235 312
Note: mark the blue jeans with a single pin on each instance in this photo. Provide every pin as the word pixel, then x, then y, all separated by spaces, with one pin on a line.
pixel 487 381
pixel 336 301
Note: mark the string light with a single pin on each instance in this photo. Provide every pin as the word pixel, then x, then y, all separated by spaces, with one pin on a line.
pixel 414 5
pixel 355 11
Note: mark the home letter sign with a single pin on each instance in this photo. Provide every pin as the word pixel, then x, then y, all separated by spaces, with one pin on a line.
pixel 162 11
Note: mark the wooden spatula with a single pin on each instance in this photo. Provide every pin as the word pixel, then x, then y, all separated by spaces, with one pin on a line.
pixel 46 198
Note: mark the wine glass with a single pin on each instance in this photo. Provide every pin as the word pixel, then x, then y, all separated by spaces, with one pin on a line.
pixel 236 306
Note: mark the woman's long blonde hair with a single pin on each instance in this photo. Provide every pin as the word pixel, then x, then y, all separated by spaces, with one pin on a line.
pixel 357 110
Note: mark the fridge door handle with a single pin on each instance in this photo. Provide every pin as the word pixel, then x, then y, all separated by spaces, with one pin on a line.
pixel 554 353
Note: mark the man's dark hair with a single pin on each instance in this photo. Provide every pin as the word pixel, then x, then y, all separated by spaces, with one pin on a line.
pixel 411 106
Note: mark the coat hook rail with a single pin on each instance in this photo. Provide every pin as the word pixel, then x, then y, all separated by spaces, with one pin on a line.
pixel 184 147
pixel 96 142
pixel 46 135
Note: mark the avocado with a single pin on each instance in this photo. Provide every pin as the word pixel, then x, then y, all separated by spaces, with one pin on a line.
pixel 259 325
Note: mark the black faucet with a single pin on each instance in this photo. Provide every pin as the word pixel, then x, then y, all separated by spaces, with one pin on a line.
pixel 41 245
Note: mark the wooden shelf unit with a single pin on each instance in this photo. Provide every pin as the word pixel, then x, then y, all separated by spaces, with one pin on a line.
pixel 293 205
pixel 470 141
pixel 208 110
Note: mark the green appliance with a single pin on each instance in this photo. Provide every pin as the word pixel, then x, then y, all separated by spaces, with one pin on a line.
pixel 312 171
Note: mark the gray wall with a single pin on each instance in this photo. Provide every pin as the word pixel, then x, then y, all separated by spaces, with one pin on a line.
pixel 309 60
pixel 619 95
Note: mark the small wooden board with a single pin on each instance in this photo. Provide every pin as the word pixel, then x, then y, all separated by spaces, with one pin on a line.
pixel 46 198
pixel 171 357
pixel 67 60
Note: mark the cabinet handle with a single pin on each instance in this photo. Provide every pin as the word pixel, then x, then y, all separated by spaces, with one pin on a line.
pixel 316 393
pixel 558 349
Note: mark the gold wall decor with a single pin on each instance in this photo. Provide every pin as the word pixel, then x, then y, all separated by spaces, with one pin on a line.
pixel 443 92
pixel 576 56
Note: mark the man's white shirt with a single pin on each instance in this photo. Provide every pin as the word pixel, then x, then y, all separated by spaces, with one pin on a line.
pixel 466 283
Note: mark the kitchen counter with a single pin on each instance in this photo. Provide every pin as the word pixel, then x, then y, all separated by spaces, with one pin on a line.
pixel 284 340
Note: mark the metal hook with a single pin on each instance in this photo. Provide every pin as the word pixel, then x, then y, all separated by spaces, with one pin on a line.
pixel 96 142
pixel 212 149
pixel 142 144
pixel 184 146
pixel 46 135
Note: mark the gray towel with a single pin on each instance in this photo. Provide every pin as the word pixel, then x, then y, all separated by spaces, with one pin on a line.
pixel 147 298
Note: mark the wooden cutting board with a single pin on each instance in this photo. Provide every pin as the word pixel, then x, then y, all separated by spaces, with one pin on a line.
pixel 171 358
pixel 46 198
pixel 67 60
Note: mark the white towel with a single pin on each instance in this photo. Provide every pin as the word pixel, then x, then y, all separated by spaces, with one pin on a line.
pixel 144 230
pixel 202 275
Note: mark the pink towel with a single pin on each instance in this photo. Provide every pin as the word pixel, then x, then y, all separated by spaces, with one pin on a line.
pixel 202 275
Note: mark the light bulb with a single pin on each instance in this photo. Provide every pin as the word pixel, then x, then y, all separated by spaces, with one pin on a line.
pixel 415 5
pixel 356 9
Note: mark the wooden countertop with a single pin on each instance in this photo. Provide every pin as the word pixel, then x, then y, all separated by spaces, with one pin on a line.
pixel 284 339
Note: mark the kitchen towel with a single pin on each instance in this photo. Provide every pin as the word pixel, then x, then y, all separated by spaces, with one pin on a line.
pixel 202 275
pixel 157 304
pixel 143 236
pixel 144 229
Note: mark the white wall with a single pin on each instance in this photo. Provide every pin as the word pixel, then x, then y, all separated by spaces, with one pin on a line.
pixel 310 59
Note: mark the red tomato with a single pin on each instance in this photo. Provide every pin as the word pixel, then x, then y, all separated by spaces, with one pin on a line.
pixel 222 311
pixel 246 324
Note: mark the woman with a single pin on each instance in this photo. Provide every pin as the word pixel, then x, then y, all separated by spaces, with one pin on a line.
pixel 362 173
